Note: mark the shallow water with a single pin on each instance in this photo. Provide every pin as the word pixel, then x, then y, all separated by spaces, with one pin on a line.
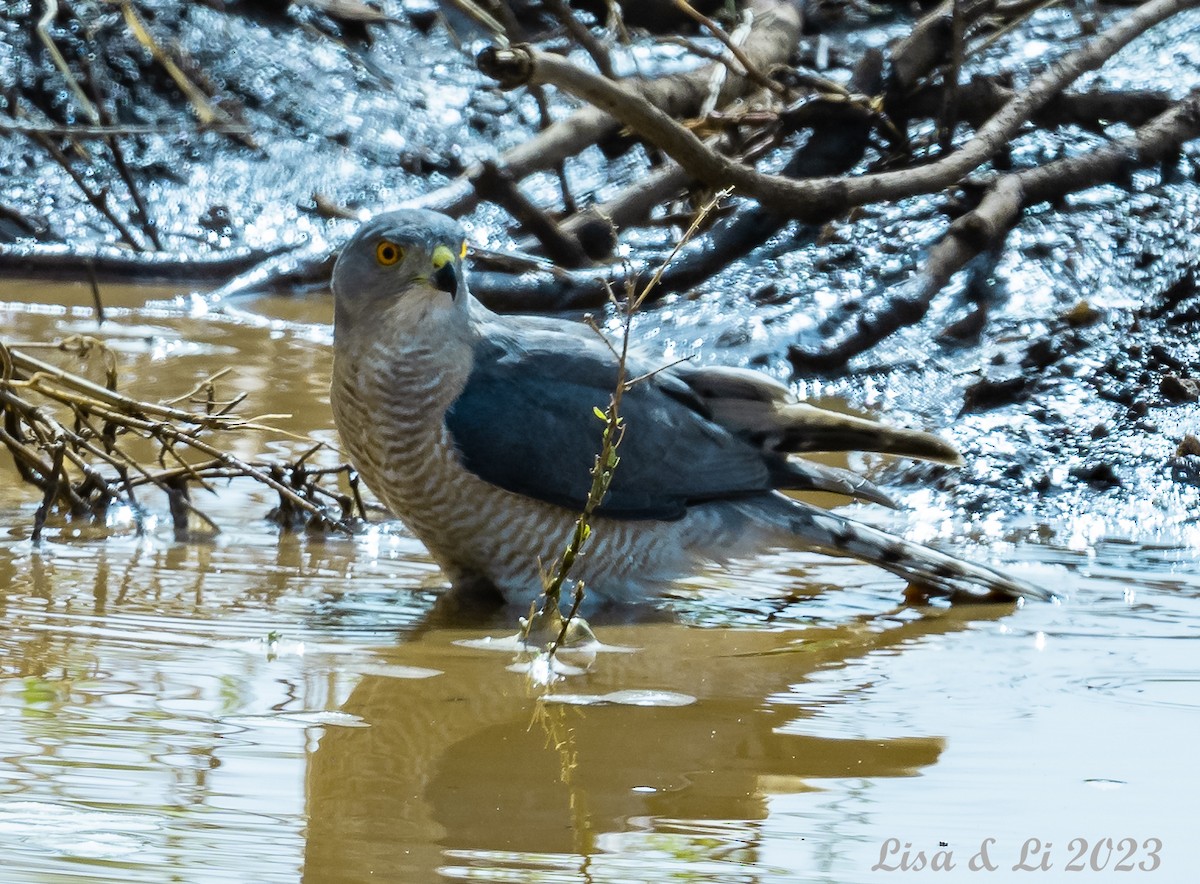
pixel 267 707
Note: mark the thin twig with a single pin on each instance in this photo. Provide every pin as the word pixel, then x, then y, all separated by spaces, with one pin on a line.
pixel 149 229
pixel 1014 18
pixel 58 130
pixel 607 461
pixel 583 36
pixel 483 18
pixel 97 301
pixel 43 31
pixel 98 200
pixel 208 113
pixel 56 472
pixel 950 79
pixel 749 67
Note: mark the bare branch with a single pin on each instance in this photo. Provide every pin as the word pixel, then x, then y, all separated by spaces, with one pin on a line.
pixel 774 34
pixel 819 199
pixel 998 211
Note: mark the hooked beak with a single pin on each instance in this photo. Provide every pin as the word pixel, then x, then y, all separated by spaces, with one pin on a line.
pixel 445 277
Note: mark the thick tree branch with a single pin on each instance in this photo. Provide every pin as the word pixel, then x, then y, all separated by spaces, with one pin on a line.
pixel 998 211
pixel 819 199
pixel 772 38
pixel 984 96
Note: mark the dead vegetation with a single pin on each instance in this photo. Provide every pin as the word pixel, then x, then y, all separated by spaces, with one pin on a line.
pixel 89 447
pixel 769 98
pixel 919 118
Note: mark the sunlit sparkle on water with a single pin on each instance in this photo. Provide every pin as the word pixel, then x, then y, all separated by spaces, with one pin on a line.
pixel 277 708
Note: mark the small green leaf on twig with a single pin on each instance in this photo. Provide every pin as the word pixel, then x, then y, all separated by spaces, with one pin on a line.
pixel 603 468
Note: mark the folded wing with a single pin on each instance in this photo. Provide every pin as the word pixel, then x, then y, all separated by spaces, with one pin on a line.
pixel 526 422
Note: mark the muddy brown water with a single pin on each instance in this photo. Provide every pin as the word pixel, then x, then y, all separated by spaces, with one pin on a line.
pixel 266 707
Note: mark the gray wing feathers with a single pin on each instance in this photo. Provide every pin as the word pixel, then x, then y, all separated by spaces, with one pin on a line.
pixel 762 408
pixel 525 422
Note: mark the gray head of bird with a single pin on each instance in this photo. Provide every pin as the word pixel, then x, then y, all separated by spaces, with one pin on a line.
pixel 408 261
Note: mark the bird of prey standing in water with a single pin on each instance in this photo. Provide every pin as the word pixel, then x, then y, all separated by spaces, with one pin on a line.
pixel 478 431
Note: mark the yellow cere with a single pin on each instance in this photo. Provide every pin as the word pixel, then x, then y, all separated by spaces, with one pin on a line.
pixel 442 256
pixel 462 252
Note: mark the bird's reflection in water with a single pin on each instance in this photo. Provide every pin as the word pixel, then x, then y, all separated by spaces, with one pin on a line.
pixel 471 763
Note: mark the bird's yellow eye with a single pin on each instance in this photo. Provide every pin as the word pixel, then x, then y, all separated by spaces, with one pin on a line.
pixel 462 252
pixel 388 253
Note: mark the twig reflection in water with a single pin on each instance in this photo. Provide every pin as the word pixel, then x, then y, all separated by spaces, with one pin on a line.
pixel 450 766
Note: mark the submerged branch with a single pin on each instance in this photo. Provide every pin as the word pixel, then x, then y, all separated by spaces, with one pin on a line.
pixel 64 434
